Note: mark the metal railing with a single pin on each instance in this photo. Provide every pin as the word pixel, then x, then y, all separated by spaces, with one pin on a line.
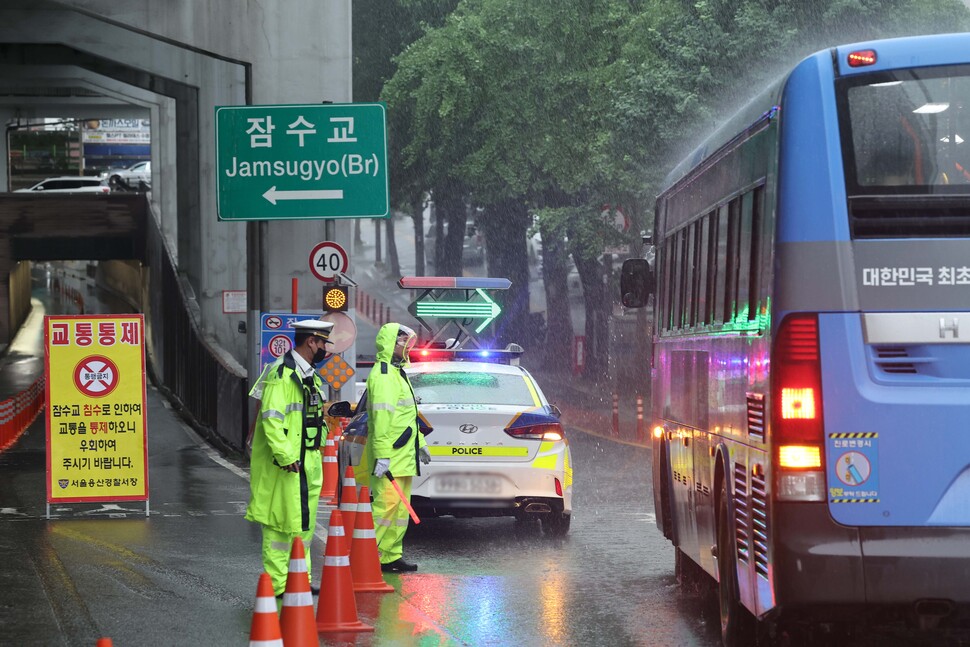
pixel 19 410
pixel 211 392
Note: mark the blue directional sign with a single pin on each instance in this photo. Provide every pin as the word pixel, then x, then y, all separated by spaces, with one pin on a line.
pixel 277 335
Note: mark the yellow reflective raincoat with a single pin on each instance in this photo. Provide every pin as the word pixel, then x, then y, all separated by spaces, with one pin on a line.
pixel 393 433
pixel 290 427
pixel 392 413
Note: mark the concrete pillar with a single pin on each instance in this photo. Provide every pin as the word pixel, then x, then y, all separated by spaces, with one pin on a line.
pixel 6 116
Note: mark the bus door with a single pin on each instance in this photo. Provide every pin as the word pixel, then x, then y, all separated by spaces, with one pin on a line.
pixel 682 489
pixel 690 453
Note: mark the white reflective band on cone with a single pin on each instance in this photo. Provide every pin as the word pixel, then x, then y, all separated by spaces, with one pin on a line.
pixel 329 459
pixel 298 566
pixel 304 599
pixel 348 507
pixel 364 534
pixel 340 560
pixel 267 643
pixel 350 481
pixel 363 506
pixel 336 531
pixel 265 605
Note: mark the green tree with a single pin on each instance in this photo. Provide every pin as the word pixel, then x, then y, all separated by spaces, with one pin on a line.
pixel 541 112
pixel 381 30
pixel 509 104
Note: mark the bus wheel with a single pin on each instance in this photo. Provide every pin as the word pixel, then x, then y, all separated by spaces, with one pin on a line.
pixel 666 506
pixel 691 577
pixel 737 628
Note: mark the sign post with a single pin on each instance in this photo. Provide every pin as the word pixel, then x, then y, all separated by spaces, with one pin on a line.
pixel 301 162
pixel 96 434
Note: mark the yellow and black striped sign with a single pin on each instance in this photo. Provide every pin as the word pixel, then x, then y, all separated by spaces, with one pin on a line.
pixel 855 434
pixel 847 500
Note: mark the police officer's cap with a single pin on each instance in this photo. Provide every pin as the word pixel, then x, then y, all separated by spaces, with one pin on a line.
pixel 314 327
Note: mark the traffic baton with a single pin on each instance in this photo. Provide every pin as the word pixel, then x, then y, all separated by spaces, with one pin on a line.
pixel 414 516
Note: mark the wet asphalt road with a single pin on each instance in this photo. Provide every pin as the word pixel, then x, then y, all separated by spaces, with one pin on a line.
pixel 186 575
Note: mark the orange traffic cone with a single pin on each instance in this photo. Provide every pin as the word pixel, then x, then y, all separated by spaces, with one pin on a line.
pixel 297 623
pixel 365 564
pixel 348 501
pixel 265 630
pixel 104 642
pixel 337 609
pixel 330 472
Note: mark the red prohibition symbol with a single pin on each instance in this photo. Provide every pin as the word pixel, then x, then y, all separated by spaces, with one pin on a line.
pixel 96 376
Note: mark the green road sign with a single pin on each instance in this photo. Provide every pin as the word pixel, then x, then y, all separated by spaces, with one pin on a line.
pixel 301 161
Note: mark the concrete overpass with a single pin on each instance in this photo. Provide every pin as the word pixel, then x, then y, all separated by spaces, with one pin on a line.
pixel 172 62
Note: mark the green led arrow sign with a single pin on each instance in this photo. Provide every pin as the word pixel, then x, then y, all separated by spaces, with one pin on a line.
pixel 487 309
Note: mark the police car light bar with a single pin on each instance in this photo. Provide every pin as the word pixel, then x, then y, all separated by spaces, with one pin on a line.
pixel 453 283
pixel 507 355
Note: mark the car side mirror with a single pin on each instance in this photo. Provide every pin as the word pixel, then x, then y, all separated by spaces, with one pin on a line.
pixel 556 411
pixel 341 409
pixel 637 282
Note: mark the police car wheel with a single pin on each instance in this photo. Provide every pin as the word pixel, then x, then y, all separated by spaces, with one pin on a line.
pixel 556 524
pixel 526 525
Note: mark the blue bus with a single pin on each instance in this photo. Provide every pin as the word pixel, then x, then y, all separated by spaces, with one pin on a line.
pixel 810 375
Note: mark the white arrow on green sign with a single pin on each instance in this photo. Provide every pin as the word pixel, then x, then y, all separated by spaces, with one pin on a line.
pixel 273 195
pixel 301 161
pixel 486 309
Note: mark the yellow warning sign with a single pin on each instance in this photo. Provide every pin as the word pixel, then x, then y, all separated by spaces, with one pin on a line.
pixel 96 435
pixel 336 372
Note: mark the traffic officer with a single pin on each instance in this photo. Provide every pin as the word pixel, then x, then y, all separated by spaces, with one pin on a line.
pixel 286 471
pixel 394 443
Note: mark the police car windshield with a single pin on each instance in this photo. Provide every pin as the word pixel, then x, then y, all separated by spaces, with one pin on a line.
pixel 471 387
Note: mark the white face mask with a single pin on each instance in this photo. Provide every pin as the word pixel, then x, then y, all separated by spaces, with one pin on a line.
pixel 402 349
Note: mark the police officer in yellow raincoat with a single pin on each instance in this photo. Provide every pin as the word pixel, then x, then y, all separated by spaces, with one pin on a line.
pixel 286 471
pixel 394 443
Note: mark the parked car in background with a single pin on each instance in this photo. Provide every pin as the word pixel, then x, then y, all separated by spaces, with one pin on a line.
pixel 472 249
pixel 68 184
pixel 132 178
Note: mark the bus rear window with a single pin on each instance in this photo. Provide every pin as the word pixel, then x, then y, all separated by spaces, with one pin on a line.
pixel 907 131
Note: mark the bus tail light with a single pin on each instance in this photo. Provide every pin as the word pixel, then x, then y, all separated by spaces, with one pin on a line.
pixel 796 412
pixel 862 58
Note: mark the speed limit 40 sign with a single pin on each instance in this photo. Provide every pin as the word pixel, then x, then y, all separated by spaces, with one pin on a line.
pixel 327 260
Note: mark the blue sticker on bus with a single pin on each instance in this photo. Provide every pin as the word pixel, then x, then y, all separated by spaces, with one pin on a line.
pixel 853 467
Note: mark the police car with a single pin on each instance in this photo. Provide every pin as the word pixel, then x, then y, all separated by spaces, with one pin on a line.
pixel 497 445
